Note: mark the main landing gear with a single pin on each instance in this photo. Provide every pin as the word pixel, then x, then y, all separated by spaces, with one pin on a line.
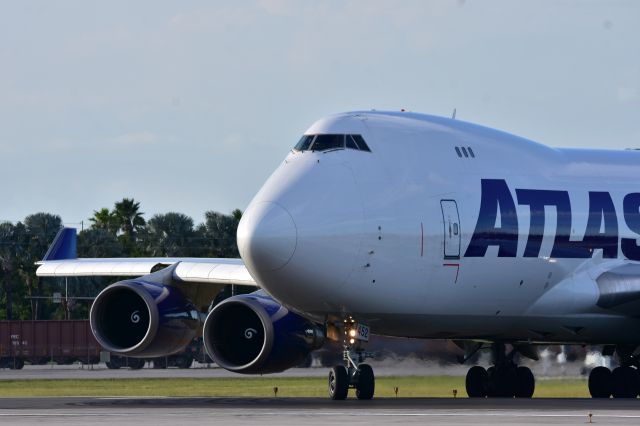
pixel 622 382
pixel 504 379
pixel 354 374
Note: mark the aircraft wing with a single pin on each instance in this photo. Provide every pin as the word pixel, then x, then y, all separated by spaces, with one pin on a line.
pixel 61 261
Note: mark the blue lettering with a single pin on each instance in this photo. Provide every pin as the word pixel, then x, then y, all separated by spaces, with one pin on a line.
pixel 602 215
pixel 495 199
pixel 601 231
pixel 631 206
pixel 537 200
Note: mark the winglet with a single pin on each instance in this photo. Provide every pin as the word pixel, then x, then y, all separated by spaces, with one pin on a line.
pixel 64 246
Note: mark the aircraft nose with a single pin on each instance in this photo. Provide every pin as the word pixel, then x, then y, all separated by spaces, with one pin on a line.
pixel 267 237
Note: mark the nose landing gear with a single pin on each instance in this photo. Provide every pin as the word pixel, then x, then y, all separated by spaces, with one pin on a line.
pixel 355 374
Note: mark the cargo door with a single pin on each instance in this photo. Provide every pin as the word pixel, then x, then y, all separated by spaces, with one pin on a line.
pixel 451 224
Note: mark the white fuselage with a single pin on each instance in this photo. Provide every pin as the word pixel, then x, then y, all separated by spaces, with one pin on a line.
pixel 396 238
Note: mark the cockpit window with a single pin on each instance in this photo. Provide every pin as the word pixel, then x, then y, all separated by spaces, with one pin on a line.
pixel 304 143
pixel 327 142
pixel 330 142
pixel 351 143
pixel 361 143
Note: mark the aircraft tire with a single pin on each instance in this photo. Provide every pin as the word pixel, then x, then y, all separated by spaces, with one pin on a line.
pixel 338 383
pixel 502 382
pixel 600 382
pixel 476 382
pixel 525 383
pixel 365 388
pixel 625 382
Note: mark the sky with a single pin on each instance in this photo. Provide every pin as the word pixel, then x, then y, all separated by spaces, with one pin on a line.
pixel 189 106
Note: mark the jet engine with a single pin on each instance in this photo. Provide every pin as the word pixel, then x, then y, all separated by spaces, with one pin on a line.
pixel 142 318
pixel 254 334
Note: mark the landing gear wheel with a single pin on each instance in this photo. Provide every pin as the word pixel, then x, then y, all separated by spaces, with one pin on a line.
pixel 338 383
pixel 366 382
pixel 502 382
pixel 600 382
pixel 476 382
pixel 525 383
pixel 625 382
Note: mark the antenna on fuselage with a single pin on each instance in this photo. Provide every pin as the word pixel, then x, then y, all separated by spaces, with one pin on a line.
pixel 453 116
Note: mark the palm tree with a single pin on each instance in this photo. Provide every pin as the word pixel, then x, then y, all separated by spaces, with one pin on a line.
pixel 129 217
pixel 219 230
pixel 98 242
pixel 170 234
pixel 105 220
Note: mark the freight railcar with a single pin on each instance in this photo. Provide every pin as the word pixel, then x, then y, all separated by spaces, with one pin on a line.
pixel 69 341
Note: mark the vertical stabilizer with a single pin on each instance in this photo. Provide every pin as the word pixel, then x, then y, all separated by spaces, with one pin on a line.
pixel 64 246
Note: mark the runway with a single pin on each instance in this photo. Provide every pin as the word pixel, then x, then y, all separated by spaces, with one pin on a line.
pixel 314 411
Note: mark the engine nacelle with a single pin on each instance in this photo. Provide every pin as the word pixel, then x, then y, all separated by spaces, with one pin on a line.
pixel 141 318
pixel 254 334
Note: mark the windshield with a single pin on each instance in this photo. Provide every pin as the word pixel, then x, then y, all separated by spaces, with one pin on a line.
pixel 331 142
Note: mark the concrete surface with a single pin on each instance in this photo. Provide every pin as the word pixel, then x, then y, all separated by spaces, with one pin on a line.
pixel 313 411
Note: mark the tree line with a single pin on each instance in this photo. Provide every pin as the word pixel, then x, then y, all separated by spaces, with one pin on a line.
pixel 118 232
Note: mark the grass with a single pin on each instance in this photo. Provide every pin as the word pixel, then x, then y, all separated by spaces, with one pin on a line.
pixel 435 386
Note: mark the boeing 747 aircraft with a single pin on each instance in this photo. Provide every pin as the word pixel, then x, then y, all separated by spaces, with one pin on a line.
pixel 402 224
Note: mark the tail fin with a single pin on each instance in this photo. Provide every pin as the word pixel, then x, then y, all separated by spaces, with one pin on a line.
pixel 64 246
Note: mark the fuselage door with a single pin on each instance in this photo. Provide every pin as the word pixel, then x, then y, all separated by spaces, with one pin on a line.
pixel 451 222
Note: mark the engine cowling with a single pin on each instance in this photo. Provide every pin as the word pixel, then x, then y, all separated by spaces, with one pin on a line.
pixel 254 334
pixel 141 318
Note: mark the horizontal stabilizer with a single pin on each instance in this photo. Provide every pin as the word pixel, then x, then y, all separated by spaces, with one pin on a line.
pixel 64 246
